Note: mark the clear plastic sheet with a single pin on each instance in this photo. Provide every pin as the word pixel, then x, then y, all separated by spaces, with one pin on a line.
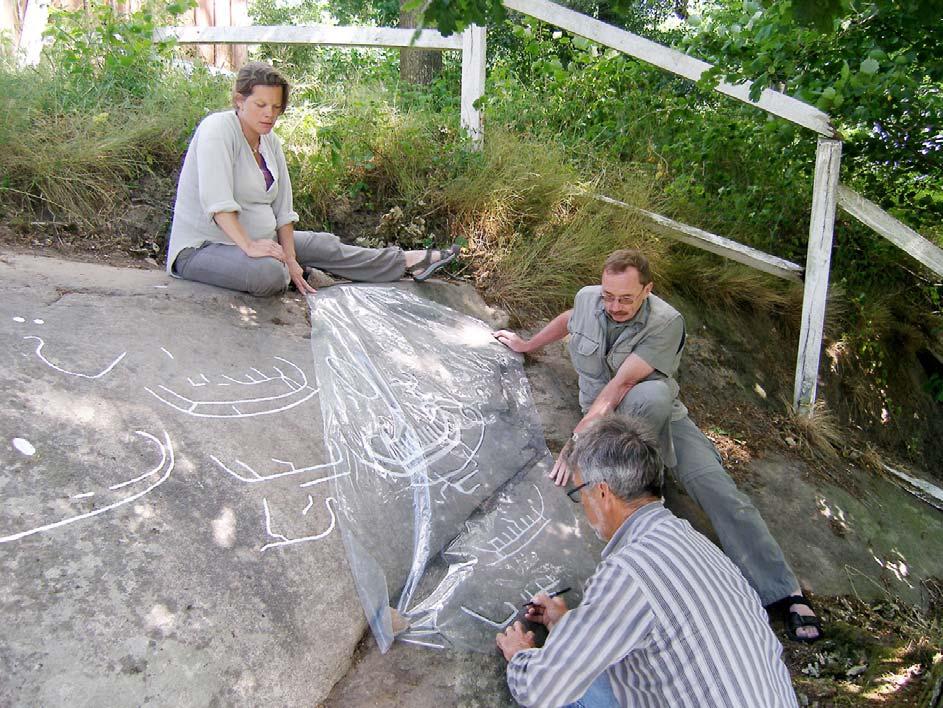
pixel 443 497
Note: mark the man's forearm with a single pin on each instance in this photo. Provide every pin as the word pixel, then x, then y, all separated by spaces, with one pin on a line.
pixel 606 402
pixel 555 330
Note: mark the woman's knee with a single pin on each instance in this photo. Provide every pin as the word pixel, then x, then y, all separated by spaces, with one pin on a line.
pixel 266 276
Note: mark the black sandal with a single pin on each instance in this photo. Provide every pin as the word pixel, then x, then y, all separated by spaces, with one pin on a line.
pixel 794 620
pixel 424 269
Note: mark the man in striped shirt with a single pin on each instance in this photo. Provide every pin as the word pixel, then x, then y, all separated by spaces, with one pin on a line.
pixel 666 619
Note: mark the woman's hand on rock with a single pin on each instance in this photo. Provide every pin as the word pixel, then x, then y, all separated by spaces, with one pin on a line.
pixel 298 278
pixel 265 249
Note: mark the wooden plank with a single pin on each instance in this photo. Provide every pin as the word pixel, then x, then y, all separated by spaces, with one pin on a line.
pixel 676 62
pixel 205 19
pixel 719 245
pixel 818 262
pixel 473 81
pixel 920 488
pixel 239 10
pixel 898 233
pixel 222 18
pixel 31 37
pixel 312 34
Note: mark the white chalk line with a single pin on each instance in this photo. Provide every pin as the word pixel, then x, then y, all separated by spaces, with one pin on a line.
pixel 294 388
pixel 163 460
pixel 39 353
pixel 489 622
pixel 422 644
pixel 500 544
pixel 256 478
pixel 165 452
pixel 292 541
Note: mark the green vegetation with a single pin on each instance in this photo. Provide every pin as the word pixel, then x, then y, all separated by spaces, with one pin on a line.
pixel 107 111
pixel 101 111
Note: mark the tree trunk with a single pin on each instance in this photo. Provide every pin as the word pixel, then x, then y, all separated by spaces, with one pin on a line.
pixel 417 66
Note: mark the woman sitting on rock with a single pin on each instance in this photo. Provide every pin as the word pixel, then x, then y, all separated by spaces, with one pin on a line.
pixel 233 223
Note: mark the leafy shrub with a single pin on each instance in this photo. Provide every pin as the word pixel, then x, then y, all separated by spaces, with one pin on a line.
pixel 104 53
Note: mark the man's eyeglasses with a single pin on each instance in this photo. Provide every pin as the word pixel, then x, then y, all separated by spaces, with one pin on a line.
pixel 609 298
pixel 574 494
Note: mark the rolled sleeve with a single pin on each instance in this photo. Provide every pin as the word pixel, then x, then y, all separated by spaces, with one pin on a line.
pixel 613 618
pixel 283 204
pixel 660 349
pixel 215 169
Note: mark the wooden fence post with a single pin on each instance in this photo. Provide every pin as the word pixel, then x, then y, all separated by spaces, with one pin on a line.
pixel 818 260
pixel 31 35
pixel 473 81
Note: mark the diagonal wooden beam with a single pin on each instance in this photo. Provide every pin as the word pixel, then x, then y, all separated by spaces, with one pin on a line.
pixel 898 233
pixel 706 241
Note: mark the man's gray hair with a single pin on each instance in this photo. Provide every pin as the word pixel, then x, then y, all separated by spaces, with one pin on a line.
pixel 620 451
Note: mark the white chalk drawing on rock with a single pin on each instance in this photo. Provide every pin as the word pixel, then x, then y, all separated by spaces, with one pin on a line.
pixel 542 584
pixel 284 540
pixel 251 476
pixel 518 532
pixel 413 429
pixel 42 358
pixel 163 469
pixel 293 385
pixel 499 625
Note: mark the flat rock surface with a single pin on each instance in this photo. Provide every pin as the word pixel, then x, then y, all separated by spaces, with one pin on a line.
pixel 166 535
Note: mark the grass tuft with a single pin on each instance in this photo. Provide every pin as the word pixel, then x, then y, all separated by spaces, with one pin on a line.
pixel 819 432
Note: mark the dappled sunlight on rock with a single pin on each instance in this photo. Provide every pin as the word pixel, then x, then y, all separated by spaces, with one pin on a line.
pixel 834 514
pixel 247 315
pixel 897 566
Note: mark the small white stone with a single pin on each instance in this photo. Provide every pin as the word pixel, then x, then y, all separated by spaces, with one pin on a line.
pixel 39 321
pixel 19 319
pixel 24 446
pixel 759 391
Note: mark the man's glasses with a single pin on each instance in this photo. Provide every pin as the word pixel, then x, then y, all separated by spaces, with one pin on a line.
pixel 608 298
pixel 574 494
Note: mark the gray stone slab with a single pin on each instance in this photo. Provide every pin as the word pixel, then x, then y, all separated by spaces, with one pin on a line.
pixel 166 529
pixel 157 544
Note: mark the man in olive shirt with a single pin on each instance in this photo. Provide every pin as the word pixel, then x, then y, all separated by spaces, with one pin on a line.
pixel 625 345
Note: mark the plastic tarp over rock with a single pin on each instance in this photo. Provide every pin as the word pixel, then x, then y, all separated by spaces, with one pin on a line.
pixel 442 490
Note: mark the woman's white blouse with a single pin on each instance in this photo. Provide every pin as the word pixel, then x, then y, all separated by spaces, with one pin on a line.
pixel 220 174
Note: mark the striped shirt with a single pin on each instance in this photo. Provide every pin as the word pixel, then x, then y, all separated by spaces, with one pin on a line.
pixel 670 618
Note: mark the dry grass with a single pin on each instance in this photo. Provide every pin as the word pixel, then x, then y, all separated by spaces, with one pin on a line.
pixel 78 159
pixel 729 286
pixel 534 231
pixel 819 433
pixel 81 169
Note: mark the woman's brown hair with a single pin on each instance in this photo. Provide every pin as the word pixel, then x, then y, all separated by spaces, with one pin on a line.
pixel 257 73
